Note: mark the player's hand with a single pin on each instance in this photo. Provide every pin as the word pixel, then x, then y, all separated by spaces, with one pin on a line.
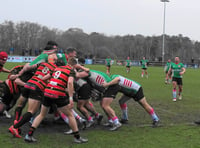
pixel 87 69
pixel 13 77
pixel 105 84
pixel 181 73
pixel 71 104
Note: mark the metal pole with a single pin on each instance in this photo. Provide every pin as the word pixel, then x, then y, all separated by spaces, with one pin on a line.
pixel 163 44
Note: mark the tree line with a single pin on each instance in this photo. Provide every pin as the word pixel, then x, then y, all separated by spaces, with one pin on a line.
pixel 28 36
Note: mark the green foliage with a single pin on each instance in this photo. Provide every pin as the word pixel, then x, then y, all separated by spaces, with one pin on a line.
pixel 176 126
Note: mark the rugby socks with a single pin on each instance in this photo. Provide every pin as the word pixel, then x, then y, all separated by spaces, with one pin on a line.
pixel 97 115
pixel 65 118
pixel 56 115
pixel 79 118
pixel 90 108
pixel 142 74
pixel 153 115
pixel 115 120
pixel 91 104
pixel 124 110
pixel 76 135
pixel 18 112
pixel 90 119
pixel 174 93
pixel 31 131
pixel 25 118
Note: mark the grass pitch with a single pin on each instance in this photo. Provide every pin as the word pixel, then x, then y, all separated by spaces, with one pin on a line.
pixel 176 118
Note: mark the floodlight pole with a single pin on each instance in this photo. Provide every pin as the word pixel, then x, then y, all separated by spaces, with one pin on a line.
pixel 163 43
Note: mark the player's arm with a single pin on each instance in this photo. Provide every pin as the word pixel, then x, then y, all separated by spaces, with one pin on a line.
pixel 82 74
pixel 19 82
pixel 114 81
pixel 183 71
pixel 78 66
pixel 26 67
pixel 70 86
pixel 46 77
pixel 5 70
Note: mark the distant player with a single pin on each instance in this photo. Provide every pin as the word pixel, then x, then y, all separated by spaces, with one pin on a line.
pixel 144 63
pixel 128 64
pixel 108 64
pixel 177 70
pixel 168 77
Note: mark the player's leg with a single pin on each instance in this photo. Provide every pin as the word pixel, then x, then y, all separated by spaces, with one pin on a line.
pixel 124 108
pixel 36 123
pixel 73 124
pixel 174 84
pixel 142 75
pixel 33 106
pixel 106 105
pixel 146 73
pixel 149 110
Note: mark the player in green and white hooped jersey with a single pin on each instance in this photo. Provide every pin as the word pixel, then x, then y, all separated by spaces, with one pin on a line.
pixel 177 70
pixel 128 64
pixel 166 69
pixel 144 63
pixel 108 64
pixel 131 89
pixel 96 79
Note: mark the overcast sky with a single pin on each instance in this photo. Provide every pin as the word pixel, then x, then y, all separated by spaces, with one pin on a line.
pixel 111 17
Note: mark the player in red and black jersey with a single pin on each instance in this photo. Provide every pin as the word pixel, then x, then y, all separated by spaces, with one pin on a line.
pixel 9 92
pixel 21 81
pixel 55 93
pixel 34 92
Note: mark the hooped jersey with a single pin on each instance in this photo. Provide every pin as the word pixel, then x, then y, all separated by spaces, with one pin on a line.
pixel 127 84
pixel 59 80
pixel 42 70
pixel 97 78
pixel 11 83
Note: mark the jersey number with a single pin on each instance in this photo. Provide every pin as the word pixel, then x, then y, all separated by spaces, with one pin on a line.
pixel 57 74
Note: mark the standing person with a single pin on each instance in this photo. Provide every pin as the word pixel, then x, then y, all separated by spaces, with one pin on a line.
pixel 108 64
pixel 144 63
pixel 168 77
pixel 131 89
pixel 128 64
pixel 55 93
pixel 9 92
pixel 177 70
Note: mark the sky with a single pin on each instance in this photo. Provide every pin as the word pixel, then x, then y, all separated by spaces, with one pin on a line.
pixel 111 17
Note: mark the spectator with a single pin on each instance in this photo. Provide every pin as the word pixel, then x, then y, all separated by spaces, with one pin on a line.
pixel 11 51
